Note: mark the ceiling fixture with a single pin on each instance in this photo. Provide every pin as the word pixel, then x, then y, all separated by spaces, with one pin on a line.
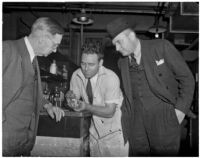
pixel 83 18
pixel 157 28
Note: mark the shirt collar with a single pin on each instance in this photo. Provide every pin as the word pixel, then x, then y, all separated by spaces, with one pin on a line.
pixel 138 50
pixel 30 48
pixel 94 78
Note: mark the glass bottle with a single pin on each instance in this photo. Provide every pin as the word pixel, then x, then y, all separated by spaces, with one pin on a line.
pixel 53 68
pixel 57 99
pixel 62 93
pixel 46 92
pixel 64 72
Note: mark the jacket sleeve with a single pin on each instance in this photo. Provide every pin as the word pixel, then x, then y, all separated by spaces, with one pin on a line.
pixel 11 85
pixel 6 55
pixel 5 60
pixel 45 101
pixel 182 74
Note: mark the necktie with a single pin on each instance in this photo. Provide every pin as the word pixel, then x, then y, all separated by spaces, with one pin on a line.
pixel 133 62
pixel 35 93
pixel 89 91
pixel 34 63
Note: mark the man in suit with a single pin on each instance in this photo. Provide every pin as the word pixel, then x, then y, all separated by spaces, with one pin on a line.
pixel 22 91
pixel 158 90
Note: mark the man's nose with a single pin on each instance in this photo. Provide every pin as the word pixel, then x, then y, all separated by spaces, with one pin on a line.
pixel 86 67
pixel 117 47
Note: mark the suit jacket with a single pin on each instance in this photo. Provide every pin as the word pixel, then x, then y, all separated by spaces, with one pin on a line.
pixel 17 73
pixel 170 79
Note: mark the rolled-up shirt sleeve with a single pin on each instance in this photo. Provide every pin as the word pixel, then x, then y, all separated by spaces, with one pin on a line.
pixel 113 92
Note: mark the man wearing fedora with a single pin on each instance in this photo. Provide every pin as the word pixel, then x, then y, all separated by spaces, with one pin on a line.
pixel 158 90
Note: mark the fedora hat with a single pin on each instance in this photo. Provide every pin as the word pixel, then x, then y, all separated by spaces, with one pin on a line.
pixel 117 26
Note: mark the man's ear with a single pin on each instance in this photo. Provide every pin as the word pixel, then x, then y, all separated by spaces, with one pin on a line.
pixel 132 35
pixel 100 62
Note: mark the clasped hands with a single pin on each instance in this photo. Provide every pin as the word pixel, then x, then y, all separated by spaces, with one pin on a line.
pixel 74 103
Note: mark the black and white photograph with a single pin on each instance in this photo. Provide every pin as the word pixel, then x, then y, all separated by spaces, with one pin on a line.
pixel 100 79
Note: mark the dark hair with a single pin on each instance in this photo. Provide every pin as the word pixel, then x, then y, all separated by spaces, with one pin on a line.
pixel 93 48
pixel 48 24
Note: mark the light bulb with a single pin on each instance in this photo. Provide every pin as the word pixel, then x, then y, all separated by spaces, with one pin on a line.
pixel 83 18
pixel 156 35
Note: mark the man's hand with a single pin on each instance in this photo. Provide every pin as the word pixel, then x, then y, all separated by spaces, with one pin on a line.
pixel 72 102
pixel 81 106
pixel 71 99
pixel 54 111
pixel 180 115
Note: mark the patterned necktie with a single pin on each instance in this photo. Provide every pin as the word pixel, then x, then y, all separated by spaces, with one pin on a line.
pixel 133 62
pixel 89 91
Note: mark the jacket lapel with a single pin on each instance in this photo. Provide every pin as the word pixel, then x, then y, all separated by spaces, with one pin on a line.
pixel 29 71
pixel 26 62
pixel 39 88
pixel 125 74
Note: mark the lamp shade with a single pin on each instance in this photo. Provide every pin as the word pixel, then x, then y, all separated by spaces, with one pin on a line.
pixel 157 29
pixel 83 18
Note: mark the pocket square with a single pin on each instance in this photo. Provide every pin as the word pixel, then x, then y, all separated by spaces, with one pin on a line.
pixel 161 61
